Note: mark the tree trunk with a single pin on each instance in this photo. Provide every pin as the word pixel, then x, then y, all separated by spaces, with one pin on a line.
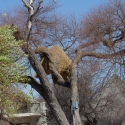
pixel 45 89
pixel 75 95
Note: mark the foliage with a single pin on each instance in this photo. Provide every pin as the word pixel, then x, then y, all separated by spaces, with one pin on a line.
pixel 11 69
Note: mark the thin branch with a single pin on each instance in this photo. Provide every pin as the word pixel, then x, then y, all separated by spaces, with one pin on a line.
pixel 39 7
pixel 87 44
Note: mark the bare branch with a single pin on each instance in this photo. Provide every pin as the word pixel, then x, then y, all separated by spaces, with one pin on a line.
pixel 87 44
pixel 30 17
pixel 30 8
pixel 103 56
pixel 39 7
pixel 26 4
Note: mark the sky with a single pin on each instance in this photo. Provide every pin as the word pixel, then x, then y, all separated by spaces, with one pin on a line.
pixel 77 7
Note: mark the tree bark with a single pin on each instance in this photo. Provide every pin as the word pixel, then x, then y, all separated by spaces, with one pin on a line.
pixel 75 95
pixel 44 88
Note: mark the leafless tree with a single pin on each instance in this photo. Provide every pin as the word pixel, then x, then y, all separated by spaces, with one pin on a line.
pixel 99 35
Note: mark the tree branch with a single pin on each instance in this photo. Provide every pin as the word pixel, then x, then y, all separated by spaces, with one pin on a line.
pixel 27 5
pixel 39 7
pixel 36 85
pixel 81 54
pixel 31 80
pixel 86 45
pixel 103 56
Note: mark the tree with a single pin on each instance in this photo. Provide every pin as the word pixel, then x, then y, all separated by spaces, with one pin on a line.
pixel 98 37
pixel 11 71
pixel 80 53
